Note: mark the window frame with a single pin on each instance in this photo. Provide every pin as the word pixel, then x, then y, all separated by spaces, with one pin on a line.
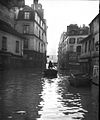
pixel 17 47
pixel 26 44
pixel 79 39
pixel 4 43
pixel 26 15
pixel 79 49
pixel 26 29
pixel 72 39
pixel 71 48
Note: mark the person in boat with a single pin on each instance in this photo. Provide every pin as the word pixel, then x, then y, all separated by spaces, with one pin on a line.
pixel 50 66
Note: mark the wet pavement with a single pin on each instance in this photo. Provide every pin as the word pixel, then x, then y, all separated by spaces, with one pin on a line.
pixel 26 95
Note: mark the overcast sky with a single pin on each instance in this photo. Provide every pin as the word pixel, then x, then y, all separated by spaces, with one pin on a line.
pixel 60 13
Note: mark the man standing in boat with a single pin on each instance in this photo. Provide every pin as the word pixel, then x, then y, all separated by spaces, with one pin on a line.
pixel 50 65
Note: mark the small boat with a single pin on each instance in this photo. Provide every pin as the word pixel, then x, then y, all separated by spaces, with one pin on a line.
pixel 79 80
pixel 51 73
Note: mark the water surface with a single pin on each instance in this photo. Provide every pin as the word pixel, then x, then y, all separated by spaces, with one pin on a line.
pixel 26 95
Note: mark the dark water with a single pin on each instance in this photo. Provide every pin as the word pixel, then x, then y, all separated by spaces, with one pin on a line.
pixel 25 95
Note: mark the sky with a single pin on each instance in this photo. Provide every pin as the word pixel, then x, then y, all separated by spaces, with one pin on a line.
pixel 61 13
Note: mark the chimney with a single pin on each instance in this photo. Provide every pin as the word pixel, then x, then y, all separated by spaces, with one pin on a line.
pixel 35 1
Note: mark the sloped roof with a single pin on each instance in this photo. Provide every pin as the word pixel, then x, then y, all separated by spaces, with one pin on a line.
pixel 27 8
pixel 97 16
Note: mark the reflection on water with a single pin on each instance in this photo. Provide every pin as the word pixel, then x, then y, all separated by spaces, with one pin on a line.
pixel 20 95
pixel 59 103
pixel 25 95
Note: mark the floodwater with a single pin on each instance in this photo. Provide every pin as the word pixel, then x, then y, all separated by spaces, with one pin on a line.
pixel 26 95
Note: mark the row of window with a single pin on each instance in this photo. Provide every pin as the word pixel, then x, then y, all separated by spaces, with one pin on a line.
pixel 73 40
pixel 78 48
pixel 4 45
pixel 39 21
pixel 89 46
pixel 26 30
pixel 40 45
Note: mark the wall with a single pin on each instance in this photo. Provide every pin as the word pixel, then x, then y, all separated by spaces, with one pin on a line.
pixel 7 15
pixel 75 44
pixel 19 26
pixel 11 43
pixel 33 35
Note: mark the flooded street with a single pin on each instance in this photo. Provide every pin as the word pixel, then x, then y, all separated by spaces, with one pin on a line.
pixel 26 95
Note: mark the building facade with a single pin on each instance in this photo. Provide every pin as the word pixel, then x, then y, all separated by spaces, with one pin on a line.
pixel 11 42
pixel 23 37
pixel 31 23
pixel 61 51
pixel 70 47
pixel 90 60
pixel 90 47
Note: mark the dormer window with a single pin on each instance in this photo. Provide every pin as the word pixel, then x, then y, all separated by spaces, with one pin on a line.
pixel 26 15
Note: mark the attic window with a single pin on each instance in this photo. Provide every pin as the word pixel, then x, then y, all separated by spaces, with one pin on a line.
pixel 26 15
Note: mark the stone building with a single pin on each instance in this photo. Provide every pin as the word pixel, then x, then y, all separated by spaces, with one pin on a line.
pixel 70 47
pixel 90 60
pixel 31 23
pixel 90 47
pixel 11 42
pixel 61 51
pixel 23 37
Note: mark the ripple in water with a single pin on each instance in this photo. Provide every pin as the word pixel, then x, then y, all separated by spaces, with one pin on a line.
pixel 59 104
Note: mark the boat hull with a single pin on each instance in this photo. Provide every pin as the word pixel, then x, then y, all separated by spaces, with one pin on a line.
pixel 50 73
pixel 80 80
